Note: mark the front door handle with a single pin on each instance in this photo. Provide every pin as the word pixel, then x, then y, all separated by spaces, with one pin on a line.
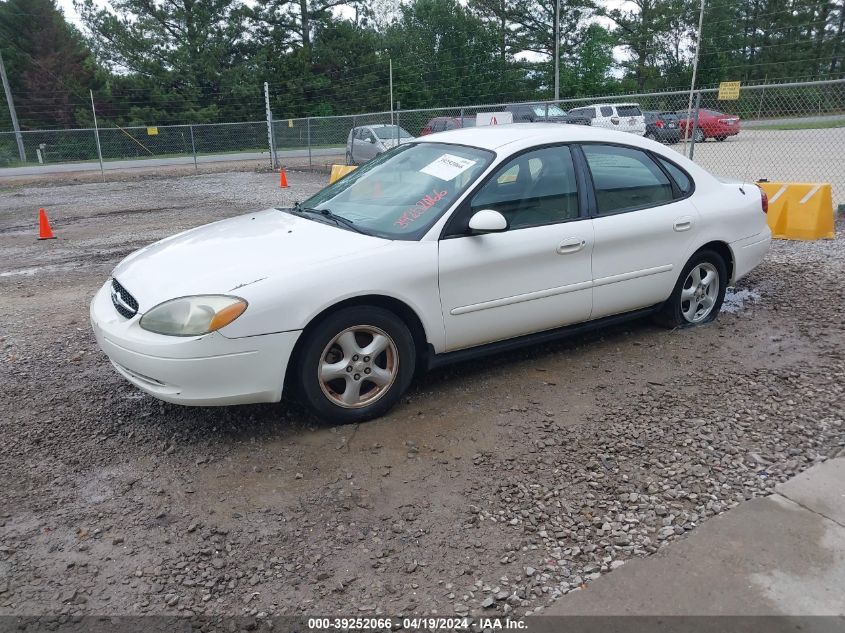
pixel 682 224
pixel 571 245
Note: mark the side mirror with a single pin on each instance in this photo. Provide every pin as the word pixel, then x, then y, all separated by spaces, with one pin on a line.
pixel 487 221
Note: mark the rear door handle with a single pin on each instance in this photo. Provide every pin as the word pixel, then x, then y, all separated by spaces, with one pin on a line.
pixel 571 245
pixel 682 224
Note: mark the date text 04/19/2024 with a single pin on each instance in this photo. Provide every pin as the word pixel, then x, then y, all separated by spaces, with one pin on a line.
pixel 413 624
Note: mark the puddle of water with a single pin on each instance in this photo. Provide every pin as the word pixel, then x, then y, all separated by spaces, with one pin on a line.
pixel 736 300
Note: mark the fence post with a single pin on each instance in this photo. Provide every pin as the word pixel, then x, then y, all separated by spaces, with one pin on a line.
pixel 194 148
pixel 97 136
pixel 352 148
pixel 398 107
pixel 270 139
pixel 462 117
pixel 308 126
pixel 547 112
pixel 694 124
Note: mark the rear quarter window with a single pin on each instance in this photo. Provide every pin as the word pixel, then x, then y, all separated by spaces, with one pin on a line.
pixel 678 175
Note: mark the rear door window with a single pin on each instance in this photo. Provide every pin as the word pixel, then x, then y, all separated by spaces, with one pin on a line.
pixel 625 178
pixel 606 111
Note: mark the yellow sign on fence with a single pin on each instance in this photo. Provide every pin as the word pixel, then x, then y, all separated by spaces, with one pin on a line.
pixel 152 131
pixel 729 91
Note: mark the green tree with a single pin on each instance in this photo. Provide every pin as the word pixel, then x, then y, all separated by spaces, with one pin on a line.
pixel 49 66
pixel 638 29
pixel 186 57
pixel 528 26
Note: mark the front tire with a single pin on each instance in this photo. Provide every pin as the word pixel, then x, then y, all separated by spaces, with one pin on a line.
pixel 355 365
pixel 699 136
pixel 699 292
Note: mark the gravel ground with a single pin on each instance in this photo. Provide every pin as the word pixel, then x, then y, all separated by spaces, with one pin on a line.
pixel 495 487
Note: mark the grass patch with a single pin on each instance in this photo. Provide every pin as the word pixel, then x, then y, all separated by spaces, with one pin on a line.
pixel 809 125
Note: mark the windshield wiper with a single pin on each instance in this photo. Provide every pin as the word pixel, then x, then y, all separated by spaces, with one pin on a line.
pixel 339 220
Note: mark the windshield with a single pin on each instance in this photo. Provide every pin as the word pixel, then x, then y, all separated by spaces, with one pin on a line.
pixel 389 131
pixel 402 193
pixel 540 110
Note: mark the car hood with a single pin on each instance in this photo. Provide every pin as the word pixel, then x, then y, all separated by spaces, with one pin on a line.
pixel 227 256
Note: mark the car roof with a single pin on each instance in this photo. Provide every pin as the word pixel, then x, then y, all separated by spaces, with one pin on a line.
pixel 493 137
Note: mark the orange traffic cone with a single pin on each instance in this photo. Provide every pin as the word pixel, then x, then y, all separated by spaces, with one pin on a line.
pixel 283 179
pixel 44 230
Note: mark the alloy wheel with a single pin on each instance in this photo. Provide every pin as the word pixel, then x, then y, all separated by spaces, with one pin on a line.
pixel 358 366
pixel 700 292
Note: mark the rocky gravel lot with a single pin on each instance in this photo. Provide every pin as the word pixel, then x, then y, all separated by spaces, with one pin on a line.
pixel 497 486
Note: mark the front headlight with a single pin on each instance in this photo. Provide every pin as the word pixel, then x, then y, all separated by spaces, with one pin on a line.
pixel 192 316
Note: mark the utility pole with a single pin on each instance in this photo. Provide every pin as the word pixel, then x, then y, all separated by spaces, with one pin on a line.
pixel 557 50
pixel 694 72
pixel 12 113
pixel 390 61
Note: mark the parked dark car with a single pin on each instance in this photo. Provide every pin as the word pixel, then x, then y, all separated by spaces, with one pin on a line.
pixel 443 123
pixel 662 126
pixel 532 112
pixel 711 124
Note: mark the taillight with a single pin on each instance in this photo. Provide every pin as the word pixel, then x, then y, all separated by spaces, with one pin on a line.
pixel 764 200
pixel 658 124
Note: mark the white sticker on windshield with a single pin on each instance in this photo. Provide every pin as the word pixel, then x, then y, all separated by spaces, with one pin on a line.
pixel 447 167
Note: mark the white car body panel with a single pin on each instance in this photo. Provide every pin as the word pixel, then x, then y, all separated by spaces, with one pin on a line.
pixel 501 285
pixel 465 291
pixel 638 255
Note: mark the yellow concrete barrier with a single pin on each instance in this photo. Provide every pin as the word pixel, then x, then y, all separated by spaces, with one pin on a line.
pixel 800 210
pixel 339 171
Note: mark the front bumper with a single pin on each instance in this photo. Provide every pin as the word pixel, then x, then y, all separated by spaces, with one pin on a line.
pixel 208 370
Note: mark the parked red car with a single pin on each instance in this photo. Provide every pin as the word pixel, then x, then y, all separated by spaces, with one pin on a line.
pixel 711 124
pixel 443 123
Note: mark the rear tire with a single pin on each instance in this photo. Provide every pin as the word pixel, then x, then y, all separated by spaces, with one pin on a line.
pixel 699 136
pixel 698 294
pixel 336 377
pixel 349 160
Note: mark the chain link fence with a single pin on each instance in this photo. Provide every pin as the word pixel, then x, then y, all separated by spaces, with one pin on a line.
pixel 792 132
pixel 131 146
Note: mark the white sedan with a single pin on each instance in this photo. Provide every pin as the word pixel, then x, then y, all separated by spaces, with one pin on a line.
pixel 458 244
